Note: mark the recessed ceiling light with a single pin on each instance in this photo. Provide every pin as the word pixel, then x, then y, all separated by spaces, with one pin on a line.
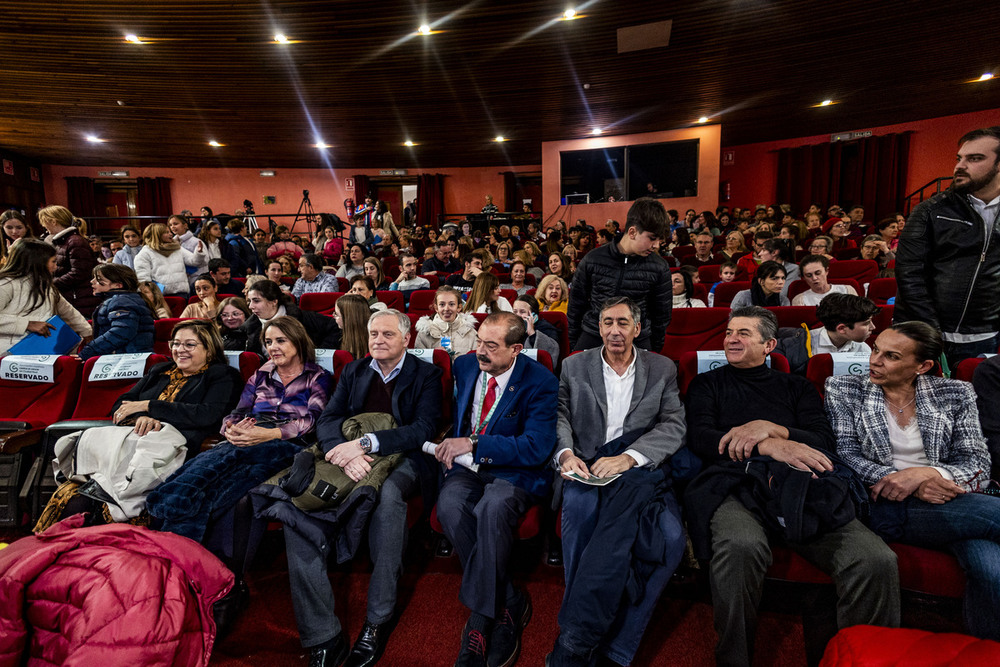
pixel 408 143
pixel 569 14
pixel 322 145
pixel 826 103
pixel 703 119
pixel 280 38
pixel 215 144
pixel 424 29
pixel 132 39
pixel 499 138
pixel 986 76
pixel 94 139
pixel 596 130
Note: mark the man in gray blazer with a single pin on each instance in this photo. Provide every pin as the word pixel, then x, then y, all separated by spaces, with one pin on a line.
pixel 619 414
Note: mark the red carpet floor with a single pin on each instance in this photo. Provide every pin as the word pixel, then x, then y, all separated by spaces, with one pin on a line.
pixel 429 630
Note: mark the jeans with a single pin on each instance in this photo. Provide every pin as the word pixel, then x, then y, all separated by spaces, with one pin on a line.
pixel 312 594
pixel 620 641
pixel 862 566
pixel 956 352
pixel 969 527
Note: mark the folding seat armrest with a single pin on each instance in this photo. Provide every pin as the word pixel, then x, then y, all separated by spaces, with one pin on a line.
pixel 209 442
pixel 14 441
pixel 70 425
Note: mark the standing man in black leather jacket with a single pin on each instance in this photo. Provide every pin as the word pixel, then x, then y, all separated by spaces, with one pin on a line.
pixel 631 267
pixel 948 260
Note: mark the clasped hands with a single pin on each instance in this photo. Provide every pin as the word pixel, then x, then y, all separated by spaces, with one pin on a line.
pixel 603 467
pixel 770 439
pixel 924 482
pixel 246 433
pixel 349 456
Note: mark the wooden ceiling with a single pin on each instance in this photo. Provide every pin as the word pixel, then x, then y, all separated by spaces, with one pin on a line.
pixel 357 76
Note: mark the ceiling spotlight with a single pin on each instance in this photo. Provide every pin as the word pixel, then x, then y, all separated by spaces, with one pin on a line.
pixel 94 139
pixel 215 144
pixel 280 38
pixel 569 14
pixel 703 119
pixel 132 39
pixel 322 145
pixel 424 29
pixel 596 130
pixel 826 103
pixel 408 143
pixel 985 77
pixel 499 138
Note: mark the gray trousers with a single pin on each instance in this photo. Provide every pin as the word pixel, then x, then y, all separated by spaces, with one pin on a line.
pixel 862 566
pixel 312 595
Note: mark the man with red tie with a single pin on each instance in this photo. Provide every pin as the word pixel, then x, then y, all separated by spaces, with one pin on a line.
pixel 506 419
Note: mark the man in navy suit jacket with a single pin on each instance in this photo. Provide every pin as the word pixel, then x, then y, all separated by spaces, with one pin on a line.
pixel 506 419
pixel 390 381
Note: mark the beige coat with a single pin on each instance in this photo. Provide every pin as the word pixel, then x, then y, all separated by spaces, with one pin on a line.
pixel 15 297
pixel 462 332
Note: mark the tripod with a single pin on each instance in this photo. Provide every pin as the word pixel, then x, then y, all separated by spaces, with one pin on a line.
pixel 306 211
pixel 250 218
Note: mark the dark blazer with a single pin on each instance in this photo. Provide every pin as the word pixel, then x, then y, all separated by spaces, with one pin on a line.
pixel 416 405
pixel 521 437
pixel 198 408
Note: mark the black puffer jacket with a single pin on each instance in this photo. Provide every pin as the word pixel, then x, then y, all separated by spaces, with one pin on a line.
pixel 75 263
pixel 605 272
pixel 322 330
pixel 948 267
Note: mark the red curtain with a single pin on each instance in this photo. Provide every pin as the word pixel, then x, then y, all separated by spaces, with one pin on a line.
pixel 362 189
pixel 153 197
pixel 510 202
pixel 80 196
pixel 430 199
pixel 871 172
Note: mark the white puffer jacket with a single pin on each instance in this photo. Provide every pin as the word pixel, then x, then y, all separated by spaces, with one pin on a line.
pixel 168 270
pixel 462 332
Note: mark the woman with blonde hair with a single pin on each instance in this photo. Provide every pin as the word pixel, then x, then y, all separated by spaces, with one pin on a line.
pixel 485 296
pixel 351 313
pixel 163 260
pixel 75 261
pixel 553 294
pixel 735 246
pixel 153 297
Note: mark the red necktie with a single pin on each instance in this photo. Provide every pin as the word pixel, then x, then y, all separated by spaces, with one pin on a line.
pixel 491 397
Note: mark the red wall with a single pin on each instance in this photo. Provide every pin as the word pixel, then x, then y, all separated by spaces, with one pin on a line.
pixel 224 190
pixel 596 214
pixel 753 176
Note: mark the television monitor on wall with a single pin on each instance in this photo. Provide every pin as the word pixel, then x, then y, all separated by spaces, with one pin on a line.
pixel 666 170
pixel 585 172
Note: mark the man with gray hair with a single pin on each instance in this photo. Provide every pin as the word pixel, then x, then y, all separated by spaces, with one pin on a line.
pixel 744 417
pixel 395 383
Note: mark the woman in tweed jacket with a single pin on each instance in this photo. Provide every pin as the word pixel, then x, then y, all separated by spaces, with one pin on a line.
pixel 916 441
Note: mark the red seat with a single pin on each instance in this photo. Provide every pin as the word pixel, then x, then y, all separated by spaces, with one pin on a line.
pixel 882 321
pixel 795 316
pixel 433 280
pixel 694 329
pixel 98 398
pixel 799 286
pixel 413 329
pixel 176 304
pixel 288 280
pixel 509 294
pixel 250 363
pixel 847 254
pixel 700 292
pixel 966 368
pixel 560 322
pixel 875 646
pixel 862 270
pixel 392 299
pixel 390 267
pixel 818 369
pixel 725 292
pixel 320 302
pixel 687 368
pixel 422 302
pixel 161 337
pixel 683 252
pixel 36 404
pixel 880 290
pixel 542 357
pixel 344 284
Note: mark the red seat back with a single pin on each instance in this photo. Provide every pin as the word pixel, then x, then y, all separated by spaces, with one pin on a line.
pixel 509 294
pixel 967 368
pixel 725 292
pixel 42 403
pixel 693 329
pixel 250 363
pixel 862 270
pixel 97 398
pixel 319 302
pixel 882 321
pixel 795 316
pixel 560 322
pixel 819 368
pixel 880 290
pixel 161 337
pixel 176 304
pixel 422 302
pixel 392 299
pixel 344 284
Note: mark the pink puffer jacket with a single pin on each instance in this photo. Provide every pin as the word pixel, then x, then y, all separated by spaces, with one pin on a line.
pixel 108 595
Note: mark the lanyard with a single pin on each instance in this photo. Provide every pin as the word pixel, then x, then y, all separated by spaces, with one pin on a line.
pixel 482 399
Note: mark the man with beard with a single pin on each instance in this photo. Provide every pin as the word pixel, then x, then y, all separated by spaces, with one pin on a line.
pixel 948 260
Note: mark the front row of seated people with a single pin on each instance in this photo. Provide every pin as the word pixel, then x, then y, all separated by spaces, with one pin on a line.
pixel 913 439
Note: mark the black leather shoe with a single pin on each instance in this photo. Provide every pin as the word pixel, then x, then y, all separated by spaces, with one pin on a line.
pixel 554 557
pixel 329 657
pixel 505 643
pixel 473 653
pixel 229 608
pixel 370 645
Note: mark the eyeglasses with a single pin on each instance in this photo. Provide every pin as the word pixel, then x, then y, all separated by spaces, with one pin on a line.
pixel 190 346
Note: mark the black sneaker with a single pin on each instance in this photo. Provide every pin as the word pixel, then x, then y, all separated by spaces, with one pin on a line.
pixel 505 643
pixel 473 653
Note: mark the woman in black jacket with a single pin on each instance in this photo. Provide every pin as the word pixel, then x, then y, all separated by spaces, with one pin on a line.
pixel 266 302
pixel 192 393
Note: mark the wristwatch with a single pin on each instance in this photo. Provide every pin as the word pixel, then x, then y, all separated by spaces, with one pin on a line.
pixel 474 438
pixel 366 444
